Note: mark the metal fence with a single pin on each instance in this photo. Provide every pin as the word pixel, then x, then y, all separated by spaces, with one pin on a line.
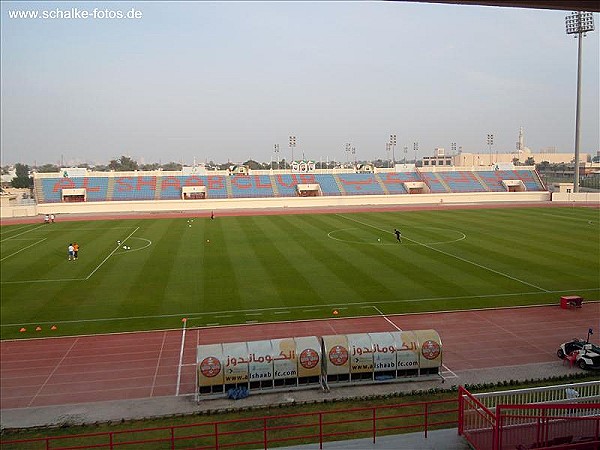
pixel 565 416
pixel 265 432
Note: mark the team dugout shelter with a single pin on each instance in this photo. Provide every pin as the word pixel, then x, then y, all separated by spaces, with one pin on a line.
pixel 311 361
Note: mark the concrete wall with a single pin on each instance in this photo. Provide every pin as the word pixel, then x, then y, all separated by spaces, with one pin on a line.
pixel 579 197
pixel 290 202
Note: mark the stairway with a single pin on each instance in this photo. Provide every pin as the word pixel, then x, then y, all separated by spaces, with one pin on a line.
pixel 381 183
pixel 158 187
pixel 483 183
pixel 110 190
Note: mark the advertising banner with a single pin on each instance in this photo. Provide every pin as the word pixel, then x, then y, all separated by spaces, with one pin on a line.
pixel 360 351
pixel 336 354
pixel 260 360
pixel 210 368
pixel 407 350
pixel 384 352
pixel 308 353
pixel 284 358
pixel 235 356
pixel 430 349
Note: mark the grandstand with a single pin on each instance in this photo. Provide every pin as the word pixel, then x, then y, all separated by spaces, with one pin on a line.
pixel 137 186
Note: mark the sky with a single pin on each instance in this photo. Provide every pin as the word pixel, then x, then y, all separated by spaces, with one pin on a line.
pixel 226 81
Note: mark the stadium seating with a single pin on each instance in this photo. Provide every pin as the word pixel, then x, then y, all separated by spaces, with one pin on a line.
pixel 244 186
pixel 360 184
pixel 393 182
pixel 435 184
pixel 462 181
pixel 328 184
pixel 169 187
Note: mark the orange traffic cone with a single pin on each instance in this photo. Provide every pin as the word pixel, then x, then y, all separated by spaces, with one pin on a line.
pixel 23 330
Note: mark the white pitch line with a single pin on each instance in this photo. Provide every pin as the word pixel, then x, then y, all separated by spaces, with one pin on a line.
pixel 23 248
pixel 281 312
pixel 109 255
pixel 328 305
pixel 388 320
pixel 451 255
pixel 310 310
pixel 14 229
pixel 24 232
pixel 180 358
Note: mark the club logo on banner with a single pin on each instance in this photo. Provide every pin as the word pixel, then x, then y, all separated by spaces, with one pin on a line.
pixel 309 358
pixel 430 349
pixel 210 367
pixel 303 166
pixel 338 355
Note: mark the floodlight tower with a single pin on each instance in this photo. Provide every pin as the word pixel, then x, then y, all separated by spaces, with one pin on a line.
pixel 292 144
pixel 387 149
pixel 393 142
pixel 490 142
pixel 578 23
pixel 276 150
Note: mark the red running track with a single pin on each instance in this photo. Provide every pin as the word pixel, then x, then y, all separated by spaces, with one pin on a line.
pixel 70 370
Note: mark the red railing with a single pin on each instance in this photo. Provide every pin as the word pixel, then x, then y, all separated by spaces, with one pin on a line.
pixel 539 426
pixel 475 421
pixel 321 427
pixel 567 425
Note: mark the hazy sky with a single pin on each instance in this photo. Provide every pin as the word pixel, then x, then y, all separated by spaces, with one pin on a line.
pixel 227 80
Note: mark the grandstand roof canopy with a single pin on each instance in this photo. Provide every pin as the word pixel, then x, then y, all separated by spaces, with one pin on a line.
pixel 568 5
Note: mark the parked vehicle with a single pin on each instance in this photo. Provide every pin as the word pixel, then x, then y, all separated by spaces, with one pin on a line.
pixel 588 354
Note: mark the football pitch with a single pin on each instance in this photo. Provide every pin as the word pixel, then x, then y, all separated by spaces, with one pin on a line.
pixel 268 268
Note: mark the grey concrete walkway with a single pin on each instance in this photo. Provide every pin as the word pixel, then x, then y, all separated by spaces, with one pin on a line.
pixel 436 440
pixel 108 411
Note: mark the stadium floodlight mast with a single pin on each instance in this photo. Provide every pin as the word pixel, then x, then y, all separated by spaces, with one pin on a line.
pixel 490 142
pixel 387 149
pixel 276 150
pixel 405 152
pixel 578 23
pixel 393 142
pixel 348 150
pixel 416 149
pixel 292 145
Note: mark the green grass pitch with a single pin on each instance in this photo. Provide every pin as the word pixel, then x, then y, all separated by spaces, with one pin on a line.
pixel 290 267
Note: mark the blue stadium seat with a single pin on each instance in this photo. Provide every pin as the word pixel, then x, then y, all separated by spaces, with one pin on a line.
pixel 463 181
pixel 360 184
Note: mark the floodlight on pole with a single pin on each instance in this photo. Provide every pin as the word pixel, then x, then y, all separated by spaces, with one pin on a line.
pixel 578 23
pixel 490 142
pixel 393 142
pixel 292 144
pixel 387 149
pixel 276 151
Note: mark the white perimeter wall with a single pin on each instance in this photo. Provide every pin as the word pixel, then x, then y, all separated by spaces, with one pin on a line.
pixel 275 203
pixel 295 202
